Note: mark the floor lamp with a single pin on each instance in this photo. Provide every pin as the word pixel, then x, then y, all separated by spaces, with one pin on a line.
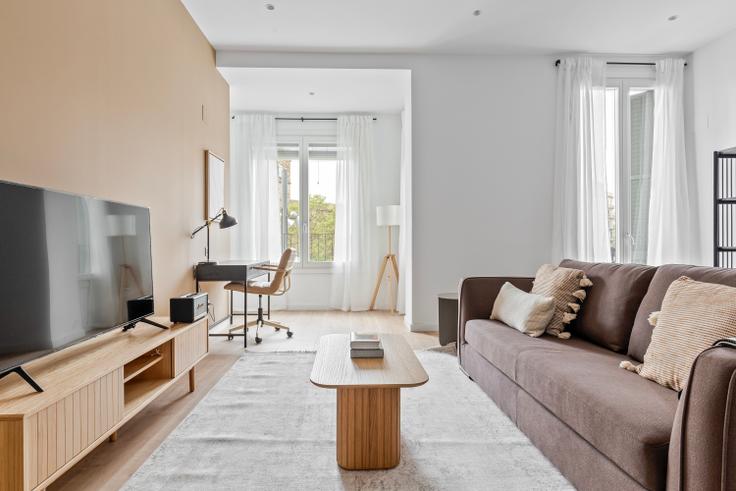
pixel 388 216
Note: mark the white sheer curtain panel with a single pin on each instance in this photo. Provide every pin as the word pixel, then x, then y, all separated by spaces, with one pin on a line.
pixel 670 237
pixel 404 257
pixel 580 211
pixel 356 260
pixel 254 198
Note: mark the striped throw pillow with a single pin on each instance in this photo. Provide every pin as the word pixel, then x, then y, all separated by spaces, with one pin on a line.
pixel 565 285
pixel 694 315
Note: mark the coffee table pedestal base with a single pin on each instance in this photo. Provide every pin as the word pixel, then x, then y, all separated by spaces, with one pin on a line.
pixel 368 428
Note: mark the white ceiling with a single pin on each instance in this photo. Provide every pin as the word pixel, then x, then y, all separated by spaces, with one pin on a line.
pixel 286 90
pixel 449 26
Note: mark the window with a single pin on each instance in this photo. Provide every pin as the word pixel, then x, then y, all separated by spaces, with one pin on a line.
pixel 629 116
pixel 308 184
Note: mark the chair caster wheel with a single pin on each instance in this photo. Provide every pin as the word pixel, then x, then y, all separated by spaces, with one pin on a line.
pixel 277 329
pixel 289 334
pixel 258 340
pixel 230 338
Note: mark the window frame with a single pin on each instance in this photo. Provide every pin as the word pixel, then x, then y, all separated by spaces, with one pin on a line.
pixel 303 219
pixel 624 232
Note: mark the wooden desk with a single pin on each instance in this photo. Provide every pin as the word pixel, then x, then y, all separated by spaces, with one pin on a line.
pixel 240 270
pixel 368 398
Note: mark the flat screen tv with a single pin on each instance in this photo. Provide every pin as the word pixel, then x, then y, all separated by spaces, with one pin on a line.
pixel 71 268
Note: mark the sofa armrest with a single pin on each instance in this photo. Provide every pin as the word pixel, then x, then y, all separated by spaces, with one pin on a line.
pixel 476 296
pixel 702 453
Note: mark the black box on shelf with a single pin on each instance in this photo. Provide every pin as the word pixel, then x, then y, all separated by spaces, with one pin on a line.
pixel 188 308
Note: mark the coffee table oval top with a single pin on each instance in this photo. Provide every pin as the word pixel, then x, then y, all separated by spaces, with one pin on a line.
pixel 334 369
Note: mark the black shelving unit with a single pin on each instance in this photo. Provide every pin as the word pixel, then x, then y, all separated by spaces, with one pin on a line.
pixel 724 208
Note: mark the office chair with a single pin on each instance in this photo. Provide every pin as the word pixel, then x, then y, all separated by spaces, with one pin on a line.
pixel 277 286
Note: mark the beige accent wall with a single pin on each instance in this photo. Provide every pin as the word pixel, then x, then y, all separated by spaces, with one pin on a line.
pixel 106 98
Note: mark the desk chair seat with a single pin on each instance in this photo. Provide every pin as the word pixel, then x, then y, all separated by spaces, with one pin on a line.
pixel 276 286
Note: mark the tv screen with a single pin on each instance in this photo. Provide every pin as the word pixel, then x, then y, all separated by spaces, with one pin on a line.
pixel 71 267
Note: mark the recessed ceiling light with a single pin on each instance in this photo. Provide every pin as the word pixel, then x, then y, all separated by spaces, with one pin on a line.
pixel 476 13
pixel 270 6
pixel 672 17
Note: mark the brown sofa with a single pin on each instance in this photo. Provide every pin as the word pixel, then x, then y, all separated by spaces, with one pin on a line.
pixel 604 427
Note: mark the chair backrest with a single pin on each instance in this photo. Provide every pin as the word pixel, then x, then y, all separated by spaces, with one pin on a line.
pixel 282 279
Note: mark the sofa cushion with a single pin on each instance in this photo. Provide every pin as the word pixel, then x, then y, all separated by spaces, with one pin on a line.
pixel 641 335
pixel 694 315
pixel 501 345
pixel 608 314
pixel 566 287
pixel 525 312
pixel 626 417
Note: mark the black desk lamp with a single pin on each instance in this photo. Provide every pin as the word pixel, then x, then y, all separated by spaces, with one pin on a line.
pixel 226 221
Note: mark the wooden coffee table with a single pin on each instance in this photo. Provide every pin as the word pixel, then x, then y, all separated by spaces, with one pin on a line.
pixel 368 398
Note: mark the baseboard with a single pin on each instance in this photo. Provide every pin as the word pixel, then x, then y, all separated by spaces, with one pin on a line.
pixel 420 327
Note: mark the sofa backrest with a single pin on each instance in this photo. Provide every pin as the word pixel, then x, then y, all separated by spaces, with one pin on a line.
pixel 607 315
pixel 641 335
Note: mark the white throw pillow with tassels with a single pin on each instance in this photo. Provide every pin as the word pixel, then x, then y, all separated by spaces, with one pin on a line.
pixel 566 286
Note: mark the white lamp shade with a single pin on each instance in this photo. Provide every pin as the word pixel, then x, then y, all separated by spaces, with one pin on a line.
pixel 388 215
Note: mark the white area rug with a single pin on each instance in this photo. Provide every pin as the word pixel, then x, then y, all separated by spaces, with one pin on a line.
pixel 265 426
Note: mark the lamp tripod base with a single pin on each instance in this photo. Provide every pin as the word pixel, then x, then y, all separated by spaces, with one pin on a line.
pixel 393 281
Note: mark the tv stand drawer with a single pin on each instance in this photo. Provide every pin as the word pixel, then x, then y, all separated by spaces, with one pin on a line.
pixel 190 347
pixel 59 433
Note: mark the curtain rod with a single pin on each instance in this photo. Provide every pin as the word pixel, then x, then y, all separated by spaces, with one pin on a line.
pixel 638 63
pixel 302 119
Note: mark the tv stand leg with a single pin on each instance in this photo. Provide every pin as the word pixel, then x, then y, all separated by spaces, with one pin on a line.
pixel 113 437
pixel 128 327
pixel 192 383
pixel 24 375
pixel 152 323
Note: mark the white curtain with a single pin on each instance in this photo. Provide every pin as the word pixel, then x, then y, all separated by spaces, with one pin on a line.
pixel 670 237
pixel 404 257
pixel 580 212
pixel 254 198
pixel 356 263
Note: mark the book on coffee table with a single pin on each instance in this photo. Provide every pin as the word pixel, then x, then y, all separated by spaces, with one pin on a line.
pixel 367 353
pixel 364 341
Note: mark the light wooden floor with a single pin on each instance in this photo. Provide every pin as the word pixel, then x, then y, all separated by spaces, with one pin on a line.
pixel 110 465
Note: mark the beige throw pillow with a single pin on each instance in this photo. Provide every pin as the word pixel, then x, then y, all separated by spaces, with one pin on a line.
pixel 526 312
pixel 694 315
pixel 565 285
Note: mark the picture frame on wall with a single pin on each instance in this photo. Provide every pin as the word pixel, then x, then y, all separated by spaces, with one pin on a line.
pixel 214 185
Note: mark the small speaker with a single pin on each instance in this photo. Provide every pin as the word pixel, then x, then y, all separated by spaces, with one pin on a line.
pixel 188 308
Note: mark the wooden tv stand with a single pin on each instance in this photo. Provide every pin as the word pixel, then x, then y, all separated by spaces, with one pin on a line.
pixel 90 390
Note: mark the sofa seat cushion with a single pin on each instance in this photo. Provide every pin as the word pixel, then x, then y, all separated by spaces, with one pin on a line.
pixel 501 345
pixel 608 313
pixel 627 418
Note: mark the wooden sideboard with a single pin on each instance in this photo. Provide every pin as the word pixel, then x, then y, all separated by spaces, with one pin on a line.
pixel 90 390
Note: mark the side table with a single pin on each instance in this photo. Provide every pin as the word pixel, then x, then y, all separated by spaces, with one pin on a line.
pixel 448 303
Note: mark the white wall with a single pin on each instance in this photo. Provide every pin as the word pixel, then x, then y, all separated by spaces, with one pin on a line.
pixel 711 112
pixel 483 142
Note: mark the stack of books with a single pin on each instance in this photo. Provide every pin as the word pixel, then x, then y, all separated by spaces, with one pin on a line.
pixel 365 345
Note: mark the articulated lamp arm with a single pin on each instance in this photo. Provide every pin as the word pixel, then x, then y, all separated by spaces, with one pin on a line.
pixel 208 222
